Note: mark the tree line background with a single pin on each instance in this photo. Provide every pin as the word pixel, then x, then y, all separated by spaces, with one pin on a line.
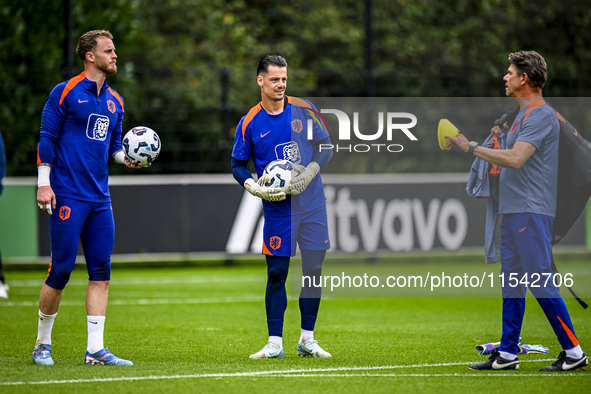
pixel 186 68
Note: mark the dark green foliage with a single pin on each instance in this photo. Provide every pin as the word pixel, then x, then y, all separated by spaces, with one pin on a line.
pixel 171 54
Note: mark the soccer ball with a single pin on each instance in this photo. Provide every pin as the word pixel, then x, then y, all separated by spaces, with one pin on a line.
pixel 141 144
pixel 278 174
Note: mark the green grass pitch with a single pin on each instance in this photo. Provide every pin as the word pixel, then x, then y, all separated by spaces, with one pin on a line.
pixel 191 329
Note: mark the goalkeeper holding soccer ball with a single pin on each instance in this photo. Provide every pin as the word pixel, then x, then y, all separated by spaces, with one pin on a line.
pixel 274 130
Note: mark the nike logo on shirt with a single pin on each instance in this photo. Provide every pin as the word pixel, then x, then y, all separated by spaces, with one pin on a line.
pixel 262 135
pixel 523 229
pixel 82 101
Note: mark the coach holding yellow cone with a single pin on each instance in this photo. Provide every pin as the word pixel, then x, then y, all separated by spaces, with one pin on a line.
pixel 527 201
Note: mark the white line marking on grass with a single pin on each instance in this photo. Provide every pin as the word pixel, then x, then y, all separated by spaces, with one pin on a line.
pixel 164 280
pixel 427 375
pixel 303 373
pixel 155 301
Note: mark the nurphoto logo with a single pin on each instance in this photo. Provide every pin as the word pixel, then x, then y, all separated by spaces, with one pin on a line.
pixel 394 123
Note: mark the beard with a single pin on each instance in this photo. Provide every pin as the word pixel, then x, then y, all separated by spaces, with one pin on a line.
pixel 108 69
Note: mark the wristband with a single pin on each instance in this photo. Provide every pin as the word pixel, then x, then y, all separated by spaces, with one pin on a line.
pixel 43 171
pixel 249 184
pixel 119 157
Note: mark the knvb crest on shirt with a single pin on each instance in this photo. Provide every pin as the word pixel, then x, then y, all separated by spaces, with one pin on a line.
pixel 296 125
pixel 111 106
pixel 97 127
pixel 289 151
pixel 514 127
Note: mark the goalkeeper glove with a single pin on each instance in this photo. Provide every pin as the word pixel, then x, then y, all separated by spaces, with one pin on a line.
pixel 266 193
pixel 305 175
pixel 264 178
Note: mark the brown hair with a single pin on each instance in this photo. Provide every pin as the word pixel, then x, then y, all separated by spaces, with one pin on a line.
pixel 87 42
pixel 531 63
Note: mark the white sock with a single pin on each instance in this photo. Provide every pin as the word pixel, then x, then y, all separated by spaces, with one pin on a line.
pixel 508 356
pixel 306 335
pixel 276 340
pixel 96 328
pixel 44 328
pixel 575 352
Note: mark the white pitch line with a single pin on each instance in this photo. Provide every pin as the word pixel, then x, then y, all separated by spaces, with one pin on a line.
pixel 165 280
pixel 293 373
pixel 430 375
pixel 154 301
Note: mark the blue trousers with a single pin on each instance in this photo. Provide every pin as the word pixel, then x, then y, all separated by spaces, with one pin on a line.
pixel 526 253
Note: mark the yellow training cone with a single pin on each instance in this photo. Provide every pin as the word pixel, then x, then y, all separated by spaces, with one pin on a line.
pixel 445 128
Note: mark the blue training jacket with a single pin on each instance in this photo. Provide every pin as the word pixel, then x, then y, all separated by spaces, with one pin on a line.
pixel 80 131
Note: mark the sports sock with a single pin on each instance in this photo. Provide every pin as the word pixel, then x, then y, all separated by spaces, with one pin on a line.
pixel 310 295
pixel 575 352
pixel 96 328
pixel 276 340
pixel 44 328
pixel 275 294
pixel 306 334
pixel 508 356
